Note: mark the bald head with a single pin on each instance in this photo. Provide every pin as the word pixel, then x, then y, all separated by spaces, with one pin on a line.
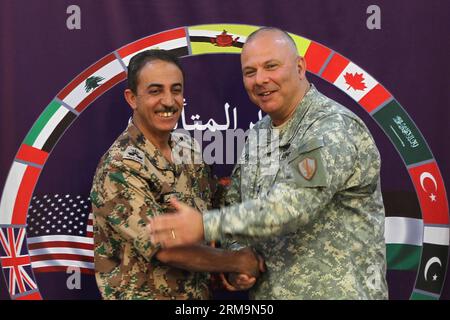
pixel 273 73
pixel 278 35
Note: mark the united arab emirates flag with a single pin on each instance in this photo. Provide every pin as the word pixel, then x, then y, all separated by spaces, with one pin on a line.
pixel 30 159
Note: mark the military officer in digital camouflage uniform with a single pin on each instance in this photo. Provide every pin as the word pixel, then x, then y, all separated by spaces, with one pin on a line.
pixel 318 216
pixel 135 180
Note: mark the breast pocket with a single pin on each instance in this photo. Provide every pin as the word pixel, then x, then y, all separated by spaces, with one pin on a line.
pixel 306 165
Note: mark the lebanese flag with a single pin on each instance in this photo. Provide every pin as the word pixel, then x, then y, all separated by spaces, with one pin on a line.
pixel 92 83
pixel 355 82
pixel 431 192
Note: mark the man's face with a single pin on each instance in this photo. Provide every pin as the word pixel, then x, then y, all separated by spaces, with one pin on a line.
pixel 159 98
pixel 272 72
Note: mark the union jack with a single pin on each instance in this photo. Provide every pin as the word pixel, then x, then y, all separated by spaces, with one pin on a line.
pixel 16 264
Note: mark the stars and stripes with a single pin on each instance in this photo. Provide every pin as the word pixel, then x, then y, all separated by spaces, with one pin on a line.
pixel 60 233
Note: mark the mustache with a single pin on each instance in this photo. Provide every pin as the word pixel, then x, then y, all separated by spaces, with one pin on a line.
pixel 167 109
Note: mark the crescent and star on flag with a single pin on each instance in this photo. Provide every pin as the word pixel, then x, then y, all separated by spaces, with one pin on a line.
pixel 428 265
pixel 426 175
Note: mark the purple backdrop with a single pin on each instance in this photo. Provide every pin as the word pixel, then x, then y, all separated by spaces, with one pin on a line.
pixel 39 56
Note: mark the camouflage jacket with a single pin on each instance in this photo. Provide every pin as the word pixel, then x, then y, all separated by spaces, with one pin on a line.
pixel 134 182
pixel 310 203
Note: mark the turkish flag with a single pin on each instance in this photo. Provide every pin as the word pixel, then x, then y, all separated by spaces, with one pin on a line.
pixel 431 192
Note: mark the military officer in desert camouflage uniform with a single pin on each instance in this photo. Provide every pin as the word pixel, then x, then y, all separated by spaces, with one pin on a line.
pixel 317 216
pixel 135 180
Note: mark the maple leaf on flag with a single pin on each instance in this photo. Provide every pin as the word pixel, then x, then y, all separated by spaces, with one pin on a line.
pixel 355 81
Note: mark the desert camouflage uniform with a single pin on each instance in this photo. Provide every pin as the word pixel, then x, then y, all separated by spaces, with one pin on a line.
pixel 322 237
pixel 134 182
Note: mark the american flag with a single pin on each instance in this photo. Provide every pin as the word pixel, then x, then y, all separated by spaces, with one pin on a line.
pixel 16 264
pixel 60 233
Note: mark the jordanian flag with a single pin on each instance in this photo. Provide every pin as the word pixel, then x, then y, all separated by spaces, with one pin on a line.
pixel 92 83
pixel 355 82
pixel 173 40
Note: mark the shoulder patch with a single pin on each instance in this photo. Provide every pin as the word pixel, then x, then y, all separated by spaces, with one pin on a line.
pixel 307 168
pixel 133 153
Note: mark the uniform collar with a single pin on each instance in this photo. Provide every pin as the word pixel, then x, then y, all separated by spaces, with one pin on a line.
pixel 291 129
pixel 152 153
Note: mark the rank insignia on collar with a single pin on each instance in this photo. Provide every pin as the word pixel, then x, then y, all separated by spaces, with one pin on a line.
pixel 307 168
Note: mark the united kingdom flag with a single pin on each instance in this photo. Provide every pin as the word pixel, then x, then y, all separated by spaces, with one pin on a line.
pixel 16 264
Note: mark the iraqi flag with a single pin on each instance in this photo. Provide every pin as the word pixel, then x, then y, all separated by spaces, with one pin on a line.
pixel 355 82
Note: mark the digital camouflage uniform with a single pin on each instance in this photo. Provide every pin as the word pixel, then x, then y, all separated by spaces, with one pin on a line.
pixel 134 182
pixel 318 219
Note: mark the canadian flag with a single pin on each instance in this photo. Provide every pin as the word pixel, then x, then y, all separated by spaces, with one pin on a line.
pixel 355 82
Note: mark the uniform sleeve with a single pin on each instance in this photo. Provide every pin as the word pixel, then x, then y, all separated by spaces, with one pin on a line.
pixel 232 197
pixel 233 194
pixel 124 205
pixel 296 202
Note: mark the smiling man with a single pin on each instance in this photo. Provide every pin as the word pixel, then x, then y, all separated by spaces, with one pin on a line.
pixel 318 220
pixel 135 180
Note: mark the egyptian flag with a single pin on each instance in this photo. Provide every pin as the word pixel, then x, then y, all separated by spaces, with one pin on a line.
pixel 172 40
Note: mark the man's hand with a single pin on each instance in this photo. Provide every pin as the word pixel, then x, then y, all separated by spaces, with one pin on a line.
pixel 184 227
pixel 237 281
pixel 251 266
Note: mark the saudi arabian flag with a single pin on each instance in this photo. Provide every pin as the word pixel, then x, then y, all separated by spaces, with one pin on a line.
pixel 403 133
pixel 403 237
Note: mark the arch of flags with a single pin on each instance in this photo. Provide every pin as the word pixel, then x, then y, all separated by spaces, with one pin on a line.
pixel 412 244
